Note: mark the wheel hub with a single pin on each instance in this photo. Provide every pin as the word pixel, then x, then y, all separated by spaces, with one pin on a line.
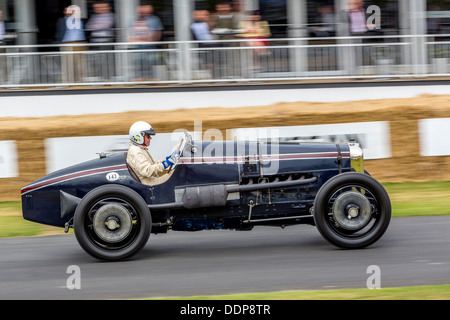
pixel 112 223
pixel 351 210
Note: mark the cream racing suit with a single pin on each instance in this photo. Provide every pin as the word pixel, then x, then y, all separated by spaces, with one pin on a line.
pixel 149 171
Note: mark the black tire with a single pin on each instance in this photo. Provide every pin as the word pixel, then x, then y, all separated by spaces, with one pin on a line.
pixel 341 210
pixel 128 213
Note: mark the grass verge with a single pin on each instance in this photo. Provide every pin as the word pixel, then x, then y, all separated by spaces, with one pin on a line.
pixel 419 198
pixel 438 292
pixel 12 223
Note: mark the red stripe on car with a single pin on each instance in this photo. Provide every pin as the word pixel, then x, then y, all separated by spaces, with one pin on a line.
pixel 70 176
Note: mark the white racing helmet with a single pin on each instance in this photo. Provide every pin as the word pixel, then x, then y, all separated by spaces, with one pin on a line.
pixel 138 130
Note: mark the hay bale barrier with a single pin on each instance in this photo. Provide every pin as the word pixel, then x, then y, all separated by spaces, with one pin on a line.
pixel 405 164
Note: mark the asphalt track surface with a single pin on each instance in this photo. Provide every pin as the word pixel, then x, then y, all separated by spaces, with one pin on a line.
pixel 414 251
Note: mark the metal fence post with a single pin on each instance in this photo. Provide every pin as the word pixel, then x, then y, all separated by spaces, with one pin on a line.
pixel 127 13
pixel 418 30
pixel 297 21
pixel 182 17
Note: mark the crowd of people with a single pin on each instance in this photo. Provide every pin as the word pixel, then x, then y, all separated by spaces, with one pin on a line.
pixel 227 22
pixel 98 33
pixel 228 25
pixel 101 25
pixel 225 27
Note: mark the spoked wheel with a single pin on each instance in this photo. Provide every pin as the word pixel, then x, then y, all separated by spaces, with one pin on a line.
pixel 112 222
pixel 352 210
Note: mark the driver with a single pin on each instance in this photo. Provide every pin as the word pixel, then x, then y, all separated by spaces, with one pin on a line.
pixel 139 159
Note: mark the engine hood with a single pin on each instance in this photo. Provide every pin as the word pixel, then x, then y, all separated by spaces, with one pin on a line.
pixel 84 169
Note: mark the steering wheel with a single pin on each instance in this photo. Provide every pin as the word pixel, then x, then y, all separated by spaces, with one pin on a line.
pixel 179 148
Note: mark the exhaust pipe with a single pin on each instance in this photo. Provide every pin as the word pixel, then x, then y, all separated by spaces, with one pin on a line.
pixel 216 195
pixel 268 185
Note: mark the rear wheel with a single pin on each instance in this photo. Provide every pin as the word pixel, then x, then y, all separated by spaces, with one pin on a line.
pixel 112 222
pixel 352 210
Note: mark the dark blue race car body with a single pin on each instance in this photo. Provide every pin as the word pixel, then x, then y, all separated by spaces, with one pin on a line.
pixel 215 185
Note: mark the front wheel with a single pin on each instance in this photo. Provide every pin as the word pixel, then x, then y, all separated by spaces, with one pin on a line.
pixel 112 222
pixel 352 210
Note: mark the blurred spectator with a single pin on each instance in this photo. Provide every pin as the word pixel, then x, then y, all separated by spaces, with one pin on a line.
pixel 140 32
pixel 101 23
pixel 327 22
pixel 223 29
pixel 154 23
pixel 2 28
pixel 201 28
pixel 201 31
pixel 70 32
pixel 100 26
pixel 223 21
pixel 145 30
pixel 257 30
pixel 70 28
pixel 238 13
pixel 2 58
pixel 353 20
pixel 147 27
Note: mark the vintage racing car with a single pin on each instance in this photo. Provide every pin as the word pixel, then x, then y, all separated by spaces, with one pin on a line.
pixel 214 185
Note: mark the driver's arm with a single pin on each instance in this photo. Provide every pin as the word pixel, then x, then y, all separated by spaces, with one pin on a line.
pixel 143 166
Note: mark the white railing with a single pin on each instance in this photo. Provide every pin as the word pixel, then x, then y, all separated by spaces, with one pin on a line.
pixel 224 61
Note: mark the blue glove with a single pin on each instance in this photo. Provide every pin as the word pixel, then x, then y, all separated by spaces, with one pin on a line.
pixel 170 160
pixel 167 163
